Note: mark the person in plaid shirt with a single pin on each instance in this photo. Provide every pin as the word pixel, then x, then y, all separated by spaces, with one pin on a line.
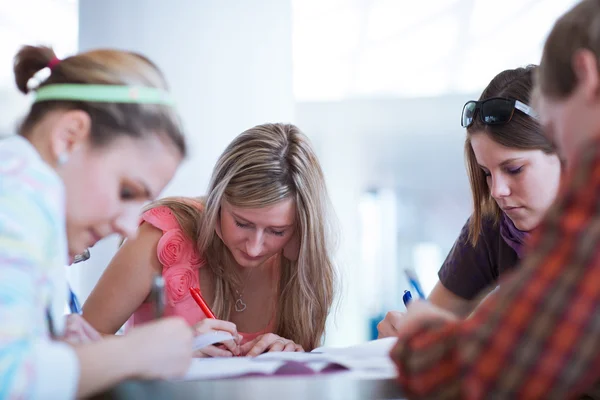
pixel 538 334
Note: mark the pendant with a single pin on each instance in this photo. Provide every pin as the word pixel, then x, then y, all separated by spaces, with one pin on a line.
pixel 239 305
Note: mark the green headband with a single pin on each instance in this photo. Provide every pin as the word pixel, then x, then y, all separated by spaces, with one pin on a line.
pixel 103 94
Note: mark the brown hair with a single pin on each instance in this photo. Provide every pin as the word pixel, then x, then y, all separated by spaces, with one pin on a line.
pixel 522 132
pixel 578 29
pixel 262 166
pixel 111 67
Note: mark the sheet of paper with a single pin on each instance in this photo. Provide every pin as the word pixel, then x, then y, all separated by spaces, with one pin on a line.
pixel 226 367
pixel 364 361
pixel 379 347
pixel 370 359
pixel 207 339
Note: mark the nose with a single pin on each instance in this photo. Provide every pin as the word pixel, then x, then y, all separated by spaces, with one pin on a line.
pixel 499 187
pixel 127 222
pixel 254 244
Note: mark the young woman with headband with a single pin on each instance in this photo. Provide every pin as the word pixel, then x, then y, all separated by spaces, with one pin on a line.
pixel 101 138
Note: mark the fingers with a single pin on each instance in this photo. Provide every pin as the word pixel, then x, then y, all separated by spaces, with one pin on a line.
pixel 385 329
pixel 390 324
pixel 209 324
pixel 289 346
pixel 232 346
pixel 79 331
pixel 262 344
pixel 273 343
pixel 90 332
pixel 269 343
pixel 213 351
pixel 245 348
pixel 277 346
pixel 421 313
pixel 257 349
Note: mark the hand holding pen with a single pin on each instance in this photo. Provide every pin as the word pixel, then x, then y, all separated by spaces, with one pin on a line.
pixel 394 320
pixel 212 324
pixel 413 279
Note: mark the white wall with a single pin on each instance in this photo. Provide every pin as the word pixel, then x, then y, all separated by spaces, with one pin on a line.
pixel 411 146
pixel 229 65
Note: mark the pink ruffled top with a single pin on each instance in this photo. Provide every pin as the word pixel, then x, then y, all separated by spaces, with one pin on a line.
pixel 180 261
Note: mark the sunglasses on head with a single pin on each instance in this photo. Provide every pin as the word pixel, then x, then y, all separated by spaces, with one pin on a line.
pixel 494 111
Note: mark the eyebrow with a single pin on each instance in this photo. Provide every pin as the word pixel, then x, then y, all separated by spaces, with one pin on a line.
pixel 249 222
pixel 503 163
pixel 510 160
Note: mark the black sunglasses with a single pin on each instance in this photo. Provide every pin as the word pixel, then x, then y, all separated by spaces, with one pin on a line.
pixel 494 111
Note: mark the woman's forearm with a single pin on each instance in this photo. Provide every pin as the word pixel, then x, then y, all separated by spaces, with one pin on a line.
pixel 104 364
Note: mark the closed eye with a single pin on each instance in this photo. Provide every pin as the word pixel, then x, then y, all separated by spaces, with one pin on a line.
pixel 129 194
pixel 242 225
pixel 514 171
pixel 277 233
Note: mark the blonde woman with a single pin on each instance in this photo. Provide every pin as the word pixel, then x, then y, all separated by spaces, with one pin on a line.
pixel 257 246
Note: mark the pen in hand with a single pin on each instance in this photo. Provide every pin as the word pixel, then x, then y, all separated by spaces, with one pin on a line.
pixel 197 296
pixel 195 292
pixel 414 282
pixel 157 295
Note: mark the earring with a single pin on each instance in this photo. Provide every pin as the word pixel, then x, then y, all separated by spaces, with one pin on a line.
pixel 63 158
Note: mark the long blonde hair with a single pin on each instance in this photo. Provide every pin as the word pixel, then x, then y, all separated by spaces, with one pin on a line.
pixel 262 166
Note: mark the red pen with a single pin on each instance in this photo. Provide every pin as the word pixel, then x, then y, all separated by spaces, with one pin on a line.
pixel 195 292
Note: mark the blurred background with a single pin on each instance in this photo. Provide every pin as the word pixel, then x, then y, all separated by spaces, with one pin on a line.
pixel 378 86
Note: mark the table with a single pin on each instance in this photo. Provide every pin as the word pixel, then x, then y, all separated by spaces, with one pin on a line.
pixel 326 387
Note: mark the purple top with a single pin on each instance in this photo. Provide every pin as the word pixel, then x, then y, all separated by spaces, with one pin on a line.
pixel 468 270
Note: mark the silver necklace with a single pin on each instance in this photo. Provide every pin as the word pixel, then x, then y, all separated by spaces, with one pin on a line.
pixel 239 303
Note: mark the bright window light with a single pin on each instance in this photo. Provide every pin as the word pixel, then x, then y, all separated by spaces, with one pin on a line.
pixel 390 48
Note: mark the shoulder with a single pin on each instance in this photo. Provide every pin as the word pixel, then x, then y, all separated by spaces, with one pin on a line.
pixel 490 228
pixel 24 172
pixel 489 231
pixel 31 203
pixel 175 248
pixel 164 213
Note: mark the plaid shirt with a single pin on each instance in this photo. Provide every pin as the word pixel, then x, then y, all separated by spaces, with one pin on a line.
pixel 538 334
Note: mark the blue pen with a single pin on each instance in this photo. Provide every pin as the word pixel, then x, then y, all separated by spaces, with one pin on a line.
pixel 406 297
pixel 74 305
pixel 414 282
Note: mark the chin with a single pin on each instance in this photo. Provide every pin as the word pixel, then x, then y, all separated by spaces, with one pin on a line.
pixel 245 263
pixel 525 225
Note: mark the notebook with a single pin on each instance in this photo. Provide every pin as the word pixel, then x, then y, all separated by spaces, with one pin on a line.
pixel 207 339
pixel 369 361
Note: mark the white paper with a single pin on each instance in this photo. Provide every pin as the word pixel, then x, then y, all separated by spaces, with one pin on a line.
pixel 369 360
pixel 379 347
pixel 226 367
pixel 207 339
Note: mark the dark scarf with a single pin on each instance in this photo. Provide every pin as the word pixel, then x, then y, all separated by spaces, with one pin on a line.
pixel 512 236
